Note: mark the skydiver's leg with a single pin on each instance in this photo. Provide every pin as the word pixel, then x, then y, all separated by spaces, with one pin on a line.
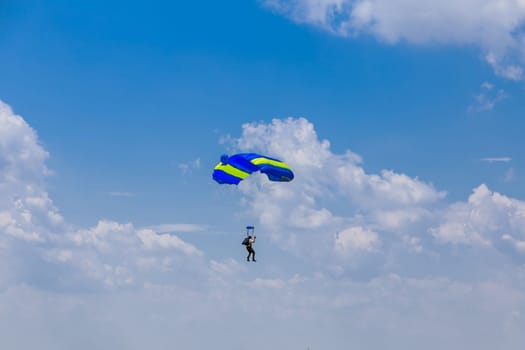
pixel 249 253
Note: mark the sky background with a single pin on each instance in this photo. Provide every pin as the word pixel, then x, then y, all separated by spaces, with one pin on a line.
pixel 404 226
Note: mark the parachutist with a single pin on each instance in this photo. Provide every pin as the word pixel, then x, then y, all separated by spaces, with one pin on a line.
pixel 249 248
pixel 249 241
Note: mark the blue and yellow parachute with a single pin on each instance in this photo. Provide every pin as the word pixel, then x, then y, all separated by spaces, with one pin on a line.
pixel 232 170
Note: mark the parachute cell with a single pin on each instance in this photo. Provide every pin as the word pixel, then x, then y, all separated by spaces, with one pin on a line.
pixel 234 169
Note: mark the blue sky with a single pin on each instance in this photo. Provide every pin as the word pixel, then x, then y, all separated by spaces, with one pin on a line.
pixel 402 120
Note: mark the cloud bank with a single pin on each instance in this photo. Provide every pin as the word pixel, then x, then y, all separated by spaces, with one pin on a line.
pixel 376 259
pixel 41 243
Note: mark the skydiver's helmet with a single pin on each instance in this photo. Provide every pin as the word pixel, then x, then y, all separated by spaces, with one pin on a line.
pixel 250 237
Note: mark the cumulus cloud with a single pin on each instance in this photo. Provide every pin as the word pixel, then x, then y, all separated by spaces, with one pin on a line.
pixel 323 172
pixel 330 191
pixel 356 238
pixel 518 244
pixel 26 211
pixel 483 219
pixel 112 255
pixel 23 158
pixel 493 25
pixel 338 213
pixel 39 242
pixel 152 240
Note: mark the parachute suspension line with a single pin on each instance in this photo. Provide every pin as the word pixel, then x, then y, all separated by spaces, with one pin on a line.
pixel 250 230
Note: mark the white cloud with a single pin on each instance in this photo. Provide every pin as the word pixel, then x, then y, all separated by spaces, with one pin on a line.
pixel 22 157
pixel 26 211
pixel 402 220
pixel 487 99
pixel 152 240
pixel 399 218
pixel 322 173
pixel 108 255
pixel 487 86
pixel 496 159
pixel 102 235
pixel 493 25
pixel 112 255
pixel 483 219
pixel 356 238
pixel 509 71
pixel 224 268
pixel 330 192
pixel 61 255
pixel 518 244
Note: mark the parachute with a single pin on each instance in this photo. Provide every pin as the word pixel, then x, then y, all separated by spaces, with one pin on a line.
pixel 232 170
pixel 250 232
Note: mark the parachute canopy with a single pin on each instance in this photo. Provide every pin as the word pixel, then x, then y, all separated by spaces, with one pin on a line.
pixel 234 169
